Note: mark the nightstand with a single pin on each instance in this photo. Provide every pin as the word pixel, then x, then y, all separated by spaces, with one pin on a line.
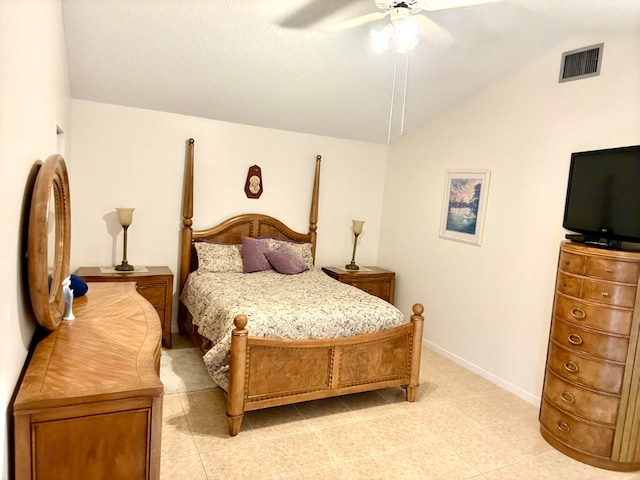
pixel 373 280
pixel 156 285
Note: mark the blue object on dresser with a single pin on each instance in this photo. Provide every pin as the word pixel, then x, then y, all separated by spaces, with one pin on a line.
pixel 78 285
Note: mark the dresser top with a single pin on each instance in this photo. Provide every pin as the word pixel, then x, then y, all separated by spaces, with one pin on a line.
pixel 105 353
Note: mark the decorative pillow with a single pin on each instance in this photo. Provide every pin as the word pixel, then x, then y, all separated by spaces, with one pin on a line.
pixel 283 260
pixel 253 255
pixel 219 258
pixel 303 250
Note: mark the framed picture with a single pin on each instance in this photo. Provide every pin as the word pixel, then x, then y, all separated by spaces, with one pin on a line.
pixel 464 205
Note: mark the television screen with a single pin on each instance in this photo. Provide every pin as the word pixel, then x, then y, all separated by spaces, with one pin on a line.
pixel 603 194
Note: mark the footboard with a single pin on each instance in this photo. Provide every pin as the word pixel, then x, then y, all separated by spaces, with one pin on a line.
pixel 270 372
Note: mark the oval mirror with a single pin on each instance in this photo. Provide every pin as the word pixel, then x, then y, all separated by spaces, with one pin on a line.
pixel 48 245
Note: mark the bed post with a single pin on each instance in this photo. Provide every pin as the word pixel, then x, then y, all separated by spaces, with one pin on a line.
pixel 187 215
pixel 237 366
pixel 313 217
pixel 416 352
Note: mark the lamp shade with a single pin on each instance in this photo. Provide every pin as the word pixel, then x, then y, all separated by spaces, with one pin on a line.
pixel 357 226
pixel 125 216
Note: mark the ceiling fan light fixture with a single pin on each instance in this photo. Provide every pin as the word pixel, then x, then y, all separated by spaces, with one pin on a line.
pixel 405 35
pixel 402 30
pixel 382 38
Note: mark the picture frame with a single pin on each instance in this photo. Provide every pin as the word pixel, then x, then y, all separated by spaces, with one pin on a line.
pixel 253 187
pixel 464 205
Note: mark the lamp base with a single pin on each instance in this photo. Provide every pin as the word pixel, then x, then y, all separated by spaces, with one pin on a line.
pixel 124 267
pixel 352 266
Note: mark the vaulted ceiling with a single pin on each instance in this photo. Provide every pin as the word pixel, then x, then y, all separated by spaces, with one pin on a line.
pixel 278 64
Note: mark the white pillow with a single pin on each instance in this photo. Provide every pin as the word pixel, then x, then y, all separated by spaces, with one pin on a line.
pixel 219 258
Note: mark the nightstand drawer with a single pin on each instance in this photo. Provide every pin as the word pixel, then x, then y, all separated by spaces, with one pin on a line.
pixel 154 293
pixel 379 289
pixel 373 280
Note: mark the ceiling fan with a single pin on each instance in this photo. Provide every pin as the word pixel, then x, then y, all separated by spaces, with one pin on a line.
pixel 402 30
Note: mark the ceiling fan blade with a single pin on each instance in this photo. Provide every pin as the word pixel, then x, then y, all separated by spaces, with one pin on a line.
pixel 433 5
pixel 430 30
pixel 355 22
pixel 313 12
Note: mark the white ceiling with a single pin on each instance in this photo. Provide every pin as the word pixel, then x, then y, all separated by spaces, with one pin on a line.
pixel 267 63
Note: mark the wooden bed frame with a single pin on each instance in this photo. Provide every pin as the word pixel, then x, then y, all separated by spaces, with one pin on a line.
pixel 267 372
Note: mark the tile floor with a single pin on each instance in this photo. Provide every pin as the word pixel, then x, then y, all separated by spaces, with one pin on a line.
pixel 460 427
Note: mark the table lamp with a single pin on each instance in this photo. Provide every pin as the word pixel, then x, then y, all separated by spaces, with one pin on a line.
pixel 357 230
pixel 125 216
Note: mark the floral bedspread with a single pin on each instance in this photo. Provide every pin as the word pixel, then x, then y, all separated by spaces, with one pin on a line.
pixel 309 305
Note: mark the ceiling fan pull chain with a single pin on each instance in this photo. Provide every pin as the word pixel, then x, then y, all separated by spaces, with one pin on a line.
pixel 393 94
pixel 404 97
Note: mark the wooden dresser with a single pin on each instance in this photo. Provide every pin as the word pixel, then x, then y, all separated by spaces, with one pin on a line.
pixel 590 406
pixel 373 280
pixel 156 285
pixel 90 403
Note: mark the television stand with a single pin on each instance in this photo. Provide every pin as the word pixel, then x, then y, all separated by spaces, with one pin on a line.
pixel 593 241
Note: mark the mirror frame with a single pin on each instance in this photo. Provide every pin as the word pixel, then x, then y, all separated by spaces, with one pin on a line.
pixel 47 300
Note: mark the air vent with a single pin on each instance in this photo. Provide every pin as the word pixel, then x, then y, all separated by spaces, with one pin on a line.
pixel 581 63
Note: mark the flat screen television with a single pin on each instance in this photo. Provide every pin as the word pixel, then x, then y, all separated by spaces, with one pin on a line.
pixel 603 197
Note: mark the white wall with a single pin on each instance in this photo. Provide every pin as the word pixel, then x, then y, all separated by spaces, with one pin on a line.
pixel 489 307
pixel 34 98
pixel 133 157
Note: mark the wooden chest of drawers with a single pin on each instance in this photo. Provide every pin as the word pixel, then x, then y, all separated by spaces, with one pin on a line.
pixel 590 401
pixel 90 403
pixel 374 280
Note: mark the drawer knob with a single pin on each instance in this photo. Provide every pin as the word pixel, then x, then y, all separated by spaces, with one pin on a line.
pixel 563 426
pixel 578 313
pixel 571 367
pixel 567 397
pixel 608 270
pixel 575 339
pixel 604 294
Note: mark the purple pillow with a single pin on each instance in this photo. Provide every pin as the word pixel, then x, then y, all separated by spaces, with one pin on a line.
pixel 284 260
pixel 253 255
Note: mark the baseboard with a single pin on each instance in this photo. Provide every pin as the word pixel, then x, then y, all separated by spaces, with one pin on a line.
pixel 500 382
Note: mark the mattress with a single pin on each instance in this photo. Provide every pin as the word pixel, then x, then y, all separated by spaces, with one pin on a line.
pixel 309 305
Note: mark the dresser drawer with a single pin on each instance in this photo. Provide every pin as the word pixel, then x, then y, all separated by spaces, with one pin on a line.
pixel 591 266
pixel 609 293
pixel 607 347
pixel 606 319
pixel 582 403
pixel 569 285
pixel 583 436
pixel 601 375
pixel 625 272
pixel 571 263
pixel 601 292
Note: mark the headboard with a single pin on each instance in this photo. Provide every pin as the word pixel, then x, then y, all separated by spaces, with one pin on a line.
pixel 233 229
